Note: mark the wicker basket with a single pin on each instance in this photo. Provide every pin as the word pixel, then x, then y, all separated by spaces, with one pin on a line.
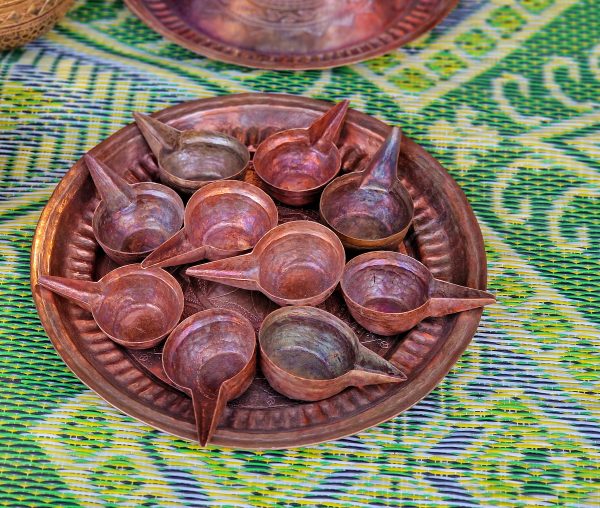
pixel 22 21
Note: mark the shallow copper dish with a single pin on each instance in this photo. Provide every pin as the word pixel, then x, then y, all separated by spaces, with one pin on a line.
pixel 291 34
pixel 445 237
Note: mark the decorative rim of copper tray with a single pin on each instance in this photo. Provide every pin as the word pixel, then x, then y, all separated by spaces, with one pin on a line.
pixel 413 18
pixel 446 238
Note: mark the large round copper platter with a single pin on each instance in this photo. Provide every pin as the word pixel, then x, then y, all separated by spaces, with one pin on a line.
pixel 291 34
pixel 445 237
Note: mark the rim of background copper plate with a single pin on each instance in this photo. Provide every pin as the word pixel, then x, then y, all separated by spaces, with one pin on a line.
pixel 393 37
pixel 438 364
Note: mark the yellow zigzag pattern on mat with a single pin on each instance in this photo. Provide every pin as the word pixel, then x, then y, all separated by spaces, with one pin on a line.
pixel 73 443
pixel 476 65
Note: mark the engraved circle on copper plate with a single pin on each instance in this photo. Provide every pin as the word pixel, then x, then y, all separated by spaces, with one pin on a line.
pixel 445 237
pixel 292 34
pixel 312 16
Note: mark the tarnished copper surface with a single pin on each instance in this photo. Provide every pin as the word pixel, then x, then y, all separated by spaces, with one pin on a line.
pixel 200 295
pixel 132 220
pixel 309 354
pixel 189 159
pixel 370 209
pixel 222 219
pixel 444 236
pixel 297 263
pixel 211 356
pixel 291 34
pixel 296 164
pixel 388 293
pixel 136 308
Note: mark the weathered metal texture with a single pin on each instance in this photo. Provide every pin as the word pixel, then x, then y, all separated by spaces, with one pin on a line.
pixel 222 219
pixel 389 293
pixel 211 356
pixel 291 34
pixel 444 236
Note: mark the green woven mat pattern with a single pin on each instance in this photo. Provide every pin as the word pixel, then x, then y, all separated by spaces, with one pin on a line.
pixel 505 93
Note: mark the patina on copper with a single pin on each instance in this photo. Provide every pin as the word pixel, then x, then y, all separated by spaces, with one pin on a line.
pixel 200 295
pixel 222 219
pixel 388 293
pixel 296 164
pixel 445 237
pixel 189 159
pixel 370 209
pixel 211 356
pixel 309 354
pixel 297 263
pixel 132 220
pixel 291 34
pixel 134 307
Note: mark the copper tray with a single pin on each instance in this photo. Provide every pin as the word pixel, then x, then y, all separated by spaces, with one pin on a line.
pixel 445 237
pixel 291 34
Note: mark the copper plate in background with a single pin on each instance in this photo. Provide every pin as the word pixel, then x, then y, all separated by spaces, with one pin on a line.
pixel 446 238
pixel 291 34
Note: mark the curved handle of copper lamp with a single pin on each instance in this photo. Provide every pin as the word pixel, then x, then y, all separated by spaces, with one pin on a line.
pixel 116 193
pixel 382 171
pixel 84 293
pixel 177 250
pixel 447 298
pixel 329 126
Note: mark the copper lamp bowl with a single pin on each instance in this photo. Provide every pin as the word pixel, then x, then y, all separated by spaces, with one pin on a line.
pixel 222 219
pixel 309 354
pixel 389 293
pixel 370 209
pixel 136 308
pixel 132 220
pixel 297 263
pixel 296 164
pixel 190 159
pixel 211 356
